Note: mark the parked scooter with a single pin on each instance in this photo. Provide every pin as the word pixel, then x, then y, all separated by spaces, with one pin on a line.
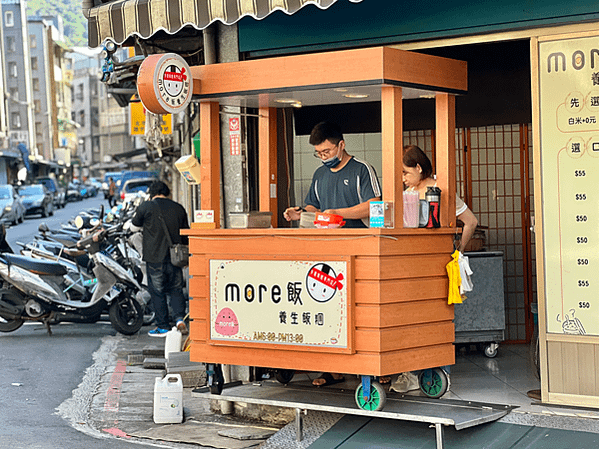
pixel 37 290
pixel 117 244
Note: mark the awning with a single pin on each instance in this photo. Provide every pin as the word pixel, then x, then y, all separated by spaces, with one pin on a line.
pixel 121 19
pixel 129 154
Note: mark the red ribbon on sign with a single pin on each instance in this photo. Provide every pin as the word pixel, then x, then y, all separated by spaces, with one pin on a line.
pixel 329 281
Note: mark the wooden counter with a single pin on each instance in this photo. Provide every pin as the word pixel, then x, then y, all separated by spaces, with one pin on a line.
pixel 398 316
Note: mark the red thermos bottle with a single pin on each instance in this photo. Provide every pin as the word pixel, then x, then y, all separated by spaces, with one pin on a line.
pixel 433 196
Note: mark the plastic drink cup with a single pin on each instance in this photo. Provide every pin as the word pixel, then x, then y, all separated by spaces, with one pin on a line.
pixel 411 208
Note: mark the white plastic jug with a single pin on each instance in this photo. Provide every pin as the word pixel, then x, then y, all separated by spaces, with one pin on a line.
pixel 172 342
pixel 168 399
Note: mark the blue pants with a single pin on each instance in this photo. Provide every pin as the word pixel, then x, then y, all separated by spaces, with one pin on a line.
pixel 166 284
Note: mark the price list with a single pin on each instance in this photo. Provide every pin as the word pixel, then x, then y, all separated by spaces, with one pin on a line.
pixel 575 285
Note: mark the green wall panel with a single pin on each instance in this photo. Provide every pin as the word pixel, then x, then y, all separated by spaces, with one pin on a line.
pixel 377 22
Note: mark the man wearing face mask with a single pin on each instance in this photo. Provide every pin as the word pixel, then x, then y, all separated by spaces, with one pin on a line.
pixel 343 185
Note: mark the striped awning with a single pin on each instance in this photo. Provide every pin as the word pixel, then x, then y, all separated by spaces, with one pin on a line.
pixel 121 19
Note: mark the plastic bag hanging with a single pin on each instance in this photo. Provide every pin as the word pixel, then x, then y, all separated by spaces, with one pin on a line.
pixel 455 281
pixel 465 272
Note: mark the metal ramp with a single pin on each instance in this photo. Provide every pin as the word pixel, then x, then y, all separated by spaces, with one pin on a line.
pixel 438 412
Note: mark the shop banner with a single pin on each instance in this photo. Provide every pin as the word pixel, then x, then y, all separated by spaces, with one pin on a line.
pixel 279 302
pixel 569 105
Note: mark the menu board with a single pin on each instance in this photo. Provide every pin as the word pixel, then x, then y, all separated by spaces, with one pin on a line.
pixel 569 115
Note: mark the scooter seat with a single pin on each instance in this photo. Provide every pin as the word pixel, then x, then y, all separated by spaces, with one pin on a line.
pixel 35 265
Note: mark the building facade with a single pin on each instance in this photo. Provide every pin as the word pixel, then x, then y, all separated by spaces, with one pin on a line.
pixel 85 108
pixel 17 69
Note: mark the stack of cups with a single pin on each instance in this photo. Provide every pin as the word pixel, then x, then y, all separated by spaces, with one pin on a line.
pixel 411 208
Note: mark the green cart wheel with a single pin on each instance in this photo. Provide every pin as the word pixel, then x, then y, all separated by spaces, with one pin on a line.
pixel 433 382
pixel 376 399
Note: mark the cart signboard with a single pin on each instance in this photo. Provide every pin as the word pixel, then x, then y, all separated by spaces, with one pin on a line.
pixel 569 115
pixel 280 302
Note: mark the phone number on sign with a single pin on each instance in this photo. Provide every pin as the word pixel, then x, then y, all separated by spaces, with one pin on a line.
pixel 278 337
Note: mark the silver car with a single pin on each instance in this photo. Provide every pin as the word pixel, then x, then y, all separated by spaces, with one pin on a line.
pixel 11 206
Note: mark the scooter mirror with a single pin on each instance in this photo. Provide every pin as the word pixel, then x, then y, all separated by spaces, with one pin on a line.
pixel 101 212
pixel 78 222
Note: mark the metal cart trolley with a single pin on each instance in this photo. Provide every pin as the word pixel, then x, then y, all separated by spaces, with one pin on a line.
pixel 370 302
pixel 480 319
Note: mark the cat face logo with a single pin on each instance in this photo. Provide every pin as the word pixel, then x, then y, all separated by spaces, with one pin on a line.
pixel 322 282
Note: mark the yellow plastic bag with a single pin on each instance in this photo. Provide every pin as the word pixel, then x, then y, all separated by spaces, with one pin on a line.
pixel 455 280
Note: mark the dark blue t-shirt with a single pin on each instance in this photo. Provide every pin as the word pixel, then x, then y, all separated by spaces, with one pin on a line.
pixel 353 184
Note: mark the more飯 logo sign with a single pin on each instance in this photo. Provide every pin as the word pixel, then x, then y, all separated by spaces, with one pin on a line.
pixel 558 61
pixel 164 83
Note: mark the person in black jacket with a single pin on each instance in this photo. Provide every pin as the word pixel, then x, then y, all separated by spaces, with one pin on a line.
pixel 165 280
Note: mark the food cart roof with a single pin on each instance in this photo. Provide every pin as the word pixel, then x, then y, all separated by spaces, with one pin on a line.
pixel 328 78
pixel 118 20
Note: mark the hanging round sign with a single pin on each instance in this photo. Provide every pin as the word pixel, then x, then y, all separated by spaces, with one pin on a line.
pixel 164 83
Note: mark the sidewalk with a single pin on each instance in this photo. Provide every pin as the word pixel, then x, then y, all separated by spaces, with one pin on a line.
pixel 122 406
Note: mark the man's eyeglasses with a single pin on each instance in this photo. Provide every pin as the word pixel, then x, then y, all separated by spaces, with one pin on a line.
pixel 324 153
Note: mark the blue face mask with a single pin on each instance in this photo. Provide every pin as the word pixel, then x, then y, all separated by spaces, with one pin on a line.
pixel 332 162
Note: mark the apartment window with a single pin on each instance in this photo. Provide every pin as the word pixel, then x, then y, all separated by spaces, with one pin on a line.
pixel 32 41
pixel 38 130
pixel 80 89
pixel 9 19
pixel 36 84
pixel 10 44
pixel 38 106
pixel 12 69
pixel 95 117
pixel 82 118
pixel 34 63
pixel 15 120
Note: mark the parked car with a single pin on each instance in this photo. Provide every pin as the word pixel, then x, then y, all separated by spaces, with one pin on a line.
pixel 37 199
pixel 73 192
pixel 11 205
pixel 58 193
pixel 92 190
pixel 97 184
pixel 135 187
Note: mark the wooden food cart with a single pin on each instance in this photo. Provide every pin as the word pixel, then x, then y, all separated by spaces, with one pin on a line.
pixel 385 310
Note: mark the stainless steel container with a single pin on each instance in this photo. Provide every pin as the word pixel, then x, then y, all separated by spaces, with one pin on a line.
pixel 244 220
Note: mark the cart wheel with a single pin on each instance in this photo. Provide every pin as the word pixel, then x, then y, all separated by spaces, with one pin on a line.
pixel 433 382
pixel 377 398
pixel 216 380
pixel 491 350
pixel 284 375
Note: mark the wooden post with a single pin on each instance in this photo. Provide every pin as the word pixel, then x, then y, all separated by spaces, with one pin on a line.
pixel 210 154
pixel 392 140
pixel 446 160
pixel 267 157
